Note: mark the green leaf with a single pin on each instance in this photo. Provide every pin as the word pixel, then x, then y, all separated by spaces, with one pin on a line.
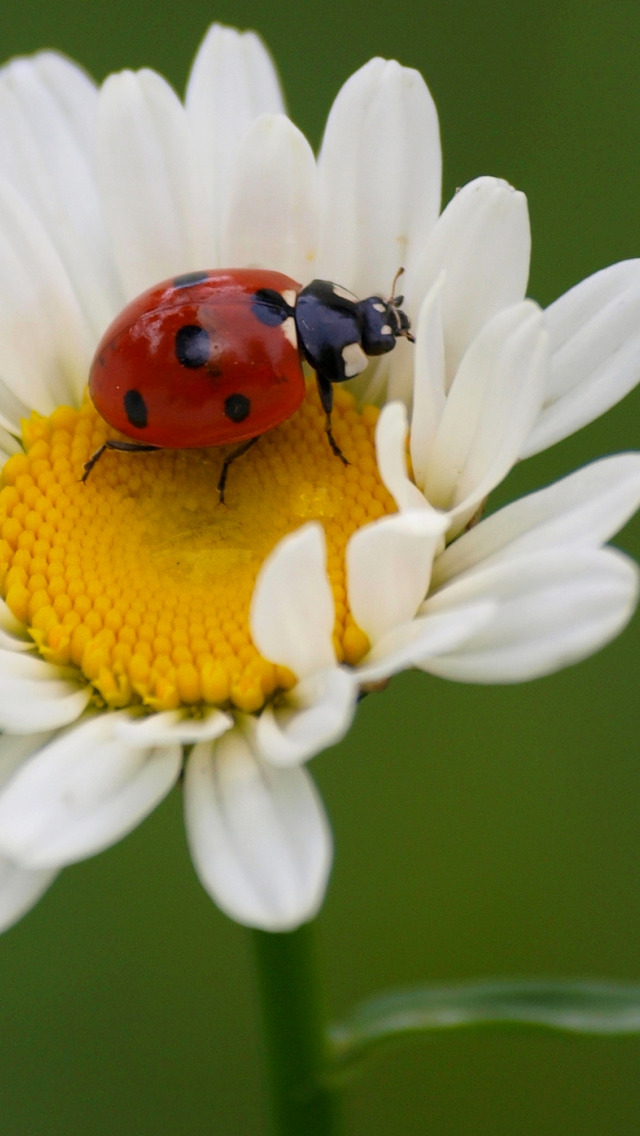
pixel 569 1006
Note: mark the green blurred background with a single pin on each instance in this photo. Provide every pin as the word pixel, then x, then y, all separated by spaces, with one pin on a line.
pixel 494 831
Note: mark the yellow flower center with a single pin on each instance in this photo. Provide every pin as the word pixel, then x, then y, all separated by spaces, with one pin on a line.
pixel 142 579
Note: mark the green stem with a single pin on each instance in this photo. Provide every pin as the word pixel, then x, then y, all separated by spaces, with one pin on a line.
pixel 295 1033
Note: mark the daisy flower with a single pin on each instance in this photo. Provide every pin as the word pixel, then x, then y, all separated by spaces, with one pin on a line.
pixel 149 633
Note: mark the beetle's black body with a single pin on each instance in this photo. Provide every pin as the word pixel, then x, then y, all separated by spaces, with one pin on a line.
pixel 336 331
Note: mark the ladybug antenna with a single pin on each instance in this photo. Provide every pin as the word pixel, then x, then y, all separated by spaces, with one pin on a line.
pixel 396 303
pixel 396 300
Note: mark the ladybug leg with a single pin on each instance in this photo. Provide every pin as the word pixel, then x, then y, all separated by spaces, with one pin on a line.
pixel 332 442
pixel 325 390
pixel 222 480
pixel 126 447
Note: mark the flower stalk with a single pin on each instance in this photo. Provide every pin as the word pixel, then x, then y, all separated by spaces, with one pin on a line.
pixel 295 1032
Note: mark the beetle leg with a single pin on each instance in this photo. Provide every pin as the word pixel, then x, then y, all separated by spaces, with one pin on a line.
pixel 334 445
pixel 222 480
pixel 126 447
pixel 325 390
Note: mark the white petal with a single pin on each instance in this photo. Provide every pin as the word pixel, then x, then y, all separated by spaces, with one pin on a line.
pixel 412 644
pixel 276 228
pixel 11 646
pixel 316 714
pixel 292 613
pixel 258 836
pixel 491 406
pixel 146 170
pixel 13 634
pixel 587 508
pixel 48 109
pixel 81 793
pixel 9 444
pixel 171 728
pixel 20 889
pixel 430 390
pixel 391 451
pixel 232 81
pixel 31 667
pixel 595 352
pixel 45 342
pixel 389 569
pixel 555 608
pixel 35 696
pixel 380 167
pixel 389 378
pixel 17 748
pixel 482 245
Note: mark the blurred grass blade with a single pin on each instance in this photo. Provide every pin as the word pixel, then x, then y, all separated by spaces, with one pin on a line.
pixel 571 1006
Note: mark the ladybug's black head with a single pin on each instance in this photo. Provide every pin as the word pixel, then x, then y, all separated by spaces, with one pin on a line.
pixel 383 321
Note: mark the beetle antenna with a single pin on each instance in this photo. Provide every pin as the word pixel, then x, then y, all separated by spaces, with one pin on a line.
pixel 396 302
pixel 397 276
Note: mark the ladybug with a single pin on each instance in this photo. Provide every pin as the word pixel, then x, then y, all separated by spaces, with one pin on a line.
pixel 212 358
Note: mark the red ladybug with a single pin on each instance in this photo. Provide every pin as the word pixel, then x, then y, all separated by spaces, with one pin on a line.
pixel 211 358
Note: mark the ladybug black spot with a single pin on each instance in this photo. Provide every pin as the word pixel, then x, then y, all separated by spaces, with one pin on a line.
pixel 189 278
pixel 237 407
pixel 270 307
pixel 135 409
pixel 193 346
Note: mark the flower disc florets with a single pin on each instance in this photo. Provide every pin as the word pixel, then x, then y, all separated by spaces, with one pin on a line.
pixel 142 578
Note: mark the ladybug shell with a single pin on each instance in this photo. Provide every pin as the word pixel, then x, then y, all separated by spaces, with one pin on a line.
pixel 201 360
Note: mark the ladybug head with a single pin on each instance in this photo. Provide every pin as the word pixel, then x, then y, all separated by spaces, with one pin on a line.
pixel 383 321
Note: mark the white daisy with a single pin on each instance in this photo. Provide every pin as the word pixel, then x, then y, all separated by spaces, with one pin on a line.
pixel 145 631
